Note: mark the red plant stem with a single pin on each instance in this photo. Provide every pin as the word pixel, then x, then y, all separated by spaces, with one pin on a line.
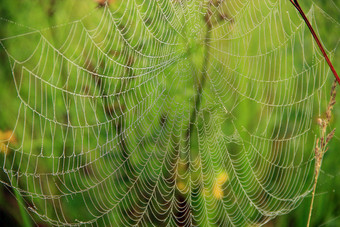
pixel 298 7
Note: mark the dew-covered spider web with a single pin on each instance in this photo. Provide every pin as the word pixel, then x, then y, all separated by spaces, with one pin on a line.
pixel 167 112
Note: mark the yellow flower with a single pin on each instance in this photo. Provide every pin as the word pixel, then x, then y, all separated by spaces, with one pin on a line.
pixel 6 137
pixel 3 148
pixel 220 180
pixel 217 191
pixel 180 185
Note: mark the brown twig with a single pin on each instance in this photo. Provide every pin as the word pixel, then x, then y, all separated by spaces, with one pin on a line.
pixel 321 143
pixel 298 7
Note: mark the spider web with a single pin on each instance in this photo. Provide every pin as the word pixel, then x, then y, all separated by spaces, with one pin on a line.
pixel 167 113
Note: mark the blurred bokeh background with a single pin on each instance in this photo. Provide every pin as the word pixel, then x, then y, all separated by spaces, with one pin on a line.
pixel 51 18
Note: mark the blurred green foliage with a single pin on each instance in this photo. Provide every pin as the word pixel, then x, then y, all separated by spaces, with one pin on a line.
pixel 42 15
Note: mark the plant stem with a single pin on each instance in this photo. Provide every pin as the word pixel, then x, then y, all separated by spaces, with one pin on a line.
pixel 25 219
pixel 323 150
pixel 298 7
pixel 321 144
pixel 202 79
pixel 313 195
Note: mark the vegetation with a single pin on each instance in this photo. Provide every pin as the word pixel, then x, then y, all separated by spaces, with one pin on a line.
pixel 136 117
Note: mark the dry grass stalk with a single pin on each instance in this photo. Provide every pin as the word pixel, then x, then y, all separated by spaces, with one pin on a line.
pixel 322 142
